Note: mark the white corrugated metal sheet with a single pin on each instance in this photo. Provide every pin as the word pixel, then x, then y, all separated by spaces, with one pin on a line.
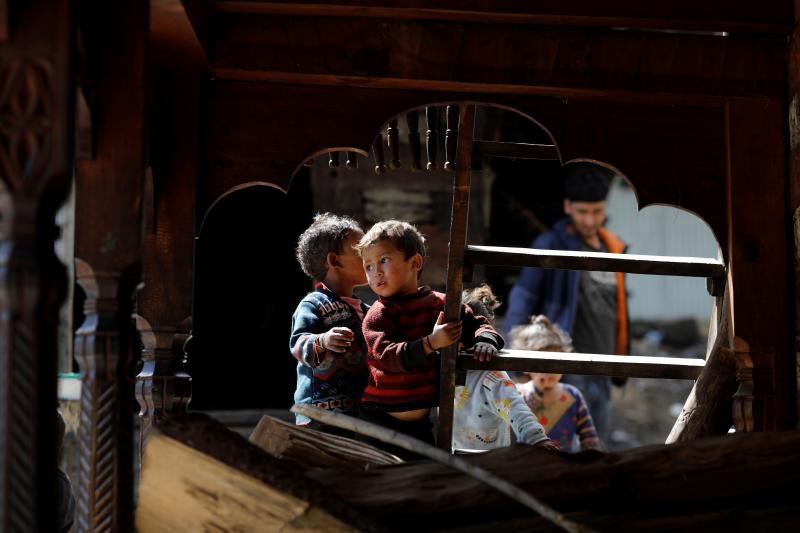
pixel 662 230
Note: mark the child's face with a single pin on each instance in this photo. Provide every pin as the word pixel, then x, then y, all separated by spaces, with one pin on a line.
pixel 389 273
pixel 544 381
pixel 351 268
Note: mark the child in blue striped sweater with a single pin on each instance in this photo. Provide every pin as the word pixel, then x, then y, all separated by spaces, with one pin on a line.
pixel 326 336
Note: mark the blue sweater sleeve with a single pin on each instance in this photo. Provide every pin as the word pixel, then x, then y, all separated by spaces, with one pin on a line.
pixel 307 325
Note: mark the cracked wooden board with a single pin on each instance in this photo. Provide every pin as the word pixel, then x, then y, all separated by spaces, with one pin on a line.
pixel 183 489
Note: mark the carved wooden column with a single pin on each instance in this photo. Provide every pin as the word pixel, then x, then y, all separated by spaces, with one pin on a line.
pixel 164 305
pixel 163 386
pixel 108 249
pixel 103 349
pixel 35 168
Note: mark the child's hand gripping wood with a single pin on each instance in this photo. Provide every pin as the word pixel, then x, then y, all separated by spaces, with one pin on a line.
pixel 443 334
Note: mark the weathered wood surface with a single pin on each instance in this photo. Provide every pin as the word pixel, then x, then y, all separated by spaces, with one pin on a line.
pixel 656 483
pixel 714 15
pixel 36 150
pixel 592 364
pixel 307 448
pixel 199 476
pixel 455 264
pixel 565 259
pixel 443 457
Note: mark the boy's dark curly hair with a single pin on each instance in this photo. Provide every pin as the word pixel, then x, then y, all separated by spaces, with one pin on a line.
pixel 325 235
pixel 403 235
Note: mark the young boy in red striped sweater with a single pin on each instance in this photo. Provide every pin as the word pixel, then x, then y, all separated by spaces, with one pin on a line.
pixel 405 329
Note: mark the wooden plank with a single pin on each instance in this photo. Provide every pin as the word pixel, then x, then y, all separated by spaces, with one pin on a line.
pixel 515 150
pixel 563 259
pixel 455 266
pixel 743 470
pixel 336 80
pixel 592 364
pixel 183 489
pixel 308 448
pixel 742 16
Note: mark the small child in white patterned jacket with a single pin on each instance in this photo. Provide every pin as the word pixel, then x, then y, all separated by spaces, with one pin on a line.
pixel 488 406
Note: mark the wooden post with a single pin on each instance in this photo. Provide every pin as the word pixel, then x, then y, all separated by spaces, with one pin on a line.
pixel 794 189
pixel 758 262
pixel 36 103
pixel 455 264
pixel 164 305
pixel 108 248
pixel 412 121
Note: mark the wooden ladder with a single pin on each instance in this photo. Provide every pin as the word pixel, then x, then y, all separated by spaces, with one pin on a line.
pixel 468 152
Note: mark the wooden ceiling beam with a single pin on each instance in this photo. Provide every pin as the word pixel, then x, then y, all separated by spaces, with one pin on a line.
pixel 391 53
pixel 714 16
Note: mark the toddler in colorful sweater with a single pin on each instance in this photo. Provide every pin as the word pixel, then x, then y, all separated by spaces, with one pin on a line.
pixel 560 406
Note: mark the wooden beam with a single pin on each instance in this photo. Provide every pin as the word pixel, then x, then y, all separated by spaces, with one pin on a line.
pixel 455 265
pixel 592 364
pixel 335 80
pixel 748 471
pixel 629 263
pixel 621 15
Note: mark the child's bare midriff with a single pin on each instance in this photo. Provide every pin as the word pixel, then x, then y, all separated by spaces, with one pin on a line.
pixel 411 416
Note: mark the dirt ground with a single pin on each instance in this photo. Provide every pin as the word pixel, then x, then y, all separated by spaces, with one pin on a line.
pixel 644 410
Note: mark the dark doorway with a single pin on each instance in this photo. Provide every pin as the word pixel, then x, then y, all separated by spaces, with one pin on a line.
pixel 246 288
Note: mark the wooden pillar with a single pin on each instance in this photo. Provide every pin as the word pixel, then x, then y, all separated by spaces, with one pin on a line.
pixel 759 267
pixel 164 305
pixel 108 248
pixel 35 167
pixel 455 265
pixel 794 189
